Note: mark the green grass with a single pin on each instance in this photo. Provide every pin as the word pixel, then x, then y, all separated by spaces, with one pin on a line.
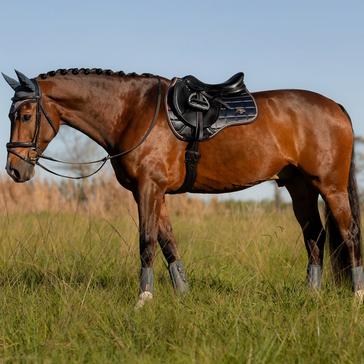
pixel 69 283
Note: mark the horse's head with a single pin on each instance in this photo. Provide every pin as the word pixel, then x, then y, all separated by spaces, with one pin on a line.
pixel 34 123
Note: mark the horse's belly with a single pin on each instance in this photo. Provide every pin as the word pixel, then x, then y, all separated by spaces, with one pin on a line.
pixel 236 160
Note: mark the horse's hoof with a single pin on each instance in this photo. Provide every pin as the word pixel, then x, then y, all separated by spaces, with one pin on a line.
pixel 143 298
pixel 359 295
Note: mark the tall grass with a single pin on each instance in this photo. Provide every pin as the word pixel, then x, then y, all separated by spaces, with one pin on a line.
pixel 69 280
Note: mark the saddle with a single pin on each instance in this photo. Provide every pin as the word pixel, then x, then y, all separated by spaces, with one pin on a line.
pixel 197 111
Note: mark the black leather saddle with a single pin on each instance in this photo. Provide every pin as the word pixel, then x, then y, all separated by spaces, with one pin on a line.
pixel 233 85
pixel 197 111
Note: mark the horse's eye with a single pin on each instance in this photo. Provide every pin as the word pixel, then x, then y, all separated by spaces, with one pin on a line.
pixel 26 117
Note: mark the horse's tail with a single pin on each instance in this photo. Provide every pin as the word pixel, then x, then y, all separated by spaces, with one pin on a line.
pixel 339 255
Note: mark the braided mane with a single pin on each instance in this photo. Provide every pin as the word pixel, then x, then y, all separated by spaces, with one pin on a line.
pixel 89 71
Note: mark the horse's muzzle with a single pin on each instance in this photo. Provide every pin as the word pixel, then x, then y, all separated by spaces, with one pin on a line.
pixel 19 170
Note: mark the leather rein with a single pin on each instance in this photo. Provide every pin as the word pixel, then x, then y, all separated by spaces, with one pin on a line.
pixel 35 152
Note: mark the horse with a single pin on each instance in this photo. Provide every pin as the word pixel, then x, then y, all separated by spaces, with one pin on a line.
pixel 302 140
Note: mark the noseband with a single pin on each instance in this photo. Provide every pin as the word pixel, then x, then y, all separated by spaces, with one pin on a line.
pixel 18 101
pixel 35 152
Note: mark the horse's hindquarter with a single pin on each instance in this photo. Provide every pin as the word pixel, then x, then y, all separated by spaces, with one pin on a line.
pixel 294 127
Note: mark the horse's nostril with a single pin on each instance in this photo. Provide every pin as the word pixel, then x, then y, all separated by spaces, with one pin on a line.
pixel 15 173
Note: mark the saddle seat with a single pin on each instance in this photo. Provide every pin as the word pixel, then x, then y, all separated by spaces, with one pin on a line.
pixel 233 85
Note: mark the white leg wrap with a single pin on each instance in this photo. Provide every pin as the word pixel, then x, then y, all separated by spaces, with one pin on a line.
pixel 143 298
pixel 359 295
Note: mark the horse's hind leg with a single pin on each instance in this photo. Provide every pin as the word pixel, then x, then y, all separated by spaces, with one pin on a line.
pixel 168 245
pixel 339 190
pixel 304 201
pixel 346 249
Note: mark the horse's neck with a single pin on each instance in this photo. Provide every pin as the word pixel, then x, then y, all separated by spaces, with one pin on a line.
pixel 96 106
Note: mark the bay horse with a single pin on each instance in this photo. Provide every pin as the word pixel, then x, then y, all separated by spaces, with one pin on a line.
pixel 301 139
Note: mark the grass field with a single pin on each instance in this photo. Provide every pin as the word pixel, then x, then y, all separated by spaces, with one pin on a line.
pixel 69 284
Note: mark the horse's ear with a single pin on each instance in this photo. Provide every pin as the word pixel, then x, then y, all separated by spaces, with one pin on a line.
pixel 25 81
pixel 11 82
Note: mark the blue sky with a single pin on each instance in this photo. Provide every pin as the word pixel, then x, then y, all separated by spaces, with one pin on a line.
pixel 316 45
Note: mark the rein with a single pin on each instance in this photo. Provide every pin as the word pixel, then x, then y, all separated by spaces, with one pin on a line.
pixel 33 145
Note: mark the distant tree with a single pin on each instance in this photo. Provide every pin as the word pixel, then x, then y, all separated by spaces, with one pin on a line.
pixel 78 148
pixel 278 200
pixel 359 155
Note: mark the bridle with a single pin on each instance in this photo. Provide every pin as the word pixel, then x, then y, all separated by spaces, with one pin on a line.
pixel 35 152
pixel 18 102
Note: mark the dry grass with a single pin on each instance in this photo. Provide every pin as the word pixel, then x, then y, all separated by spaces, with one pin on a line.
pixel 102 197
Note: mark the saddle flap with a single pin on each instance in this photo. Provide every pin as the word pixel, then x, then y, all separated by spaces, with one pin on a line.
pixel 186 104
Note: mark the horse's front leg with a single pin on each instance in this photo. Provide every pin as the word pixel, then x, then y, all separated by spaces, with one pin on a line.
pixel 168 245
pixel 149 199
